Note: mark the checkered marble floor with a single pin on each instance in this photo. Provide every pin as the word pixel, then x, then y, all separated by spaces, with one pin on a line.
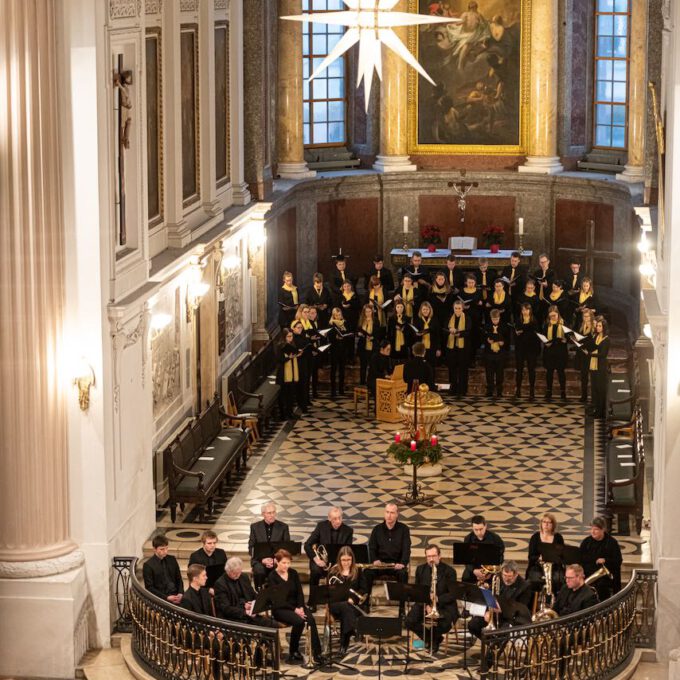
pixel 510 461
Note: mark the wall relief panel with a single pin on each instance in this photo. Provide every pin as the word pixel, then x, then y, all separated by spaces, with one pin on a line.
pixel 165 358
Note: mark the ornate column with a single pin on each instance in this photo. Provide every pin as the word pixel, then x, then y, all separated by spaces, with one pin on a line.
pixel 542 156
pixel 393 156
pixel 291 156
pixel 637 94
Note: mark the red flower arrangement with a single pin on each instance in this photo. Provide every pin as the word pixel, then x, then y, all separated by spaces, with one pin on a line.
pixel 493 236
pixel 431 234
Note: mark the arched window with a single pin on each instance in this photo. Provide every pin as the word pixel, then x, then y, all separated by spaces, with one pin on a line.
pixel 612 23
pixel 324 102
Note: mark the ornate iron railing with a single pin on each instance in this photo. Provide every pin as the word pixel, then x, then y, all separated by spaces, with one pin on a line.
pixel 594 644
pixel 122 569
pixel 176 644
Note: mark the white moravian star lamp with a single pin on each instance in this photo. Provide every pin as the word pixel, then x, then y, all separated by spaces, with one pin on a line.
pixel 370 23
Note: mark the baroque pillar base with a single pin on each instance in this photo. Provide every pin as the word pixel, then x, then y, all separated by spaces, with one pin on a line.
pixel 240 194
pixel 295 171
pixel 394 164
pixel 545 165
pixel 633 174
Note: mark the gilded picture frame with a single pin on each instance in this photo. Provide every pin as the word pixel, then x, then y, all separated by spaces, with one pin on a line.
pixel 481 103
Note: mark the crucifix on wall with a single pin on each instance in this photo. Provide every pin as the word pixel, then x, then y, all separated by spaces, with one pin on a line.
pixel 122 80
pixel 462 189
pixel 589 254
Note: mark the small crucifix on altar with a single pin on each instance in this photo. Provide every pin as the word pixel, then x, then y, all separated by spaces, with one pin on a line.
pixel 122 80
pixel 462 189
pixel 589 254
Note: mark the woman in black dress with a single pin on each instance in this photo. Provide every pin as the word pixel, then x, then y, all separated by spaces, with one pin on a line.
pixel 369 333
pixel 399 332
pixel 458 350
pixel 547 533
pixel 288 375
pixel 473 306
pixel 527 349
pixel 350 305
pixel 293 612
pixel 598 350
pixel 288 300
pixel 555 353
pixel 582 360
pixel 428 332
pixel 337 337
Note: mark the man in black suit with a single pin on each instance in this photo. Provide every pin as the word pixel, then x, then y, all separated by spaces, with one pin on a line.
pixel 513 588
pixel 234 596
pixel 575 595
pixel 446 598
pixel 601 549
pixel 330 531
pixel 162 576
pixel 196 597
pixel 267 530
pixel 418 369
pixel 384 274
pixel 516 273
pixel 340 275
pixel 418 273
pixel 209 555
pixel 455 276
pixel 481 534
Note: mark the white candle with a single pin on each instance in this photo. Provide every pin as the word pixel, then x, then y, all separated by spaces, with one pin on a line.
pixel 520 226
pixel 406 224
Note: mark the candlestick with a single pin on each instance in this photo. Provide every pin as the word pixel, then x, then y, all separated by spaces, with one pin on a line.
pixel 406 224
pixel 413 444
pixel 520 226
pixel 339 251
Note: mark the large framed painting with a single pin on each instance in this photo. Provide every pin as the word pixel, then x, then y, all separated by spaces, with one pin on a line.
pixel 479 104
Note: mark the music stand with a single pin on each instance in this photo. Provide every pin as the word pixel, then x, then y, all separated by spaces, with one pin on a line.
pixel 516 613
pixel 469 593
pixel 407 593
pixel 328 595
pixel 333 551
pixel 379 627
pixel 268 598
pixel 269 548
pixel 360 553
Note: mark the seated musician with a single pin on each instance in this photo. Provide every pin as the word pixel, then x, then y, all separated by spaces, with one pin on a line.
pixel 446 598
pixel 380 365
pixel 209 555
pixel 481 534
pixel 390 543
pixel 235 596
pixel 267 530
pixel 547 533
pixel 418 368
pixel 344 570
pixel 196 597
pixel 293 612
pixel 329 531
pixel 598 550
pixel 512 587
pixel 575 595
pixel 162 576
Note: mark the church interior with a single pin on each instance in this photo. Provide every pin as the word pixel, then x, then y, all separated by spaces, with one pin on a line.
pixel 275 270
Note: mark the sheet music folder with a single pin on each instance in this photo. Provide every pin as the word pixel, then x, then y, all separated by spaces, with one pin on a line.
pixel 267 549
pixel 271 597
pixel 560 554
pixel 476 554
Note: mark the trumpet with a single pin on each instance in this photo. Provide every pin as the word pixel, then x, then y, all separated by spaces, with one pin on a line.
pixel 321 553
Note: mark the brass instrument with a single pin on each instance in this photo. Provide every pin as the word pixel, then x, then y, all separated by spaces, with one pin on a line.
pixel 545 611
pixel 337 580
pixel 321 553
pixel 596 575
pixel 431 619
pixel 381 565
pixel 489 569
pixel 495 570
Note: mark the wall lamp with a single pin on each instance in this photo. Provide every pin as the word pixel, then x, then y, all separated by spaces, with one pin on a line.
pixel 84 380
pixel 159 322
pixel 196 289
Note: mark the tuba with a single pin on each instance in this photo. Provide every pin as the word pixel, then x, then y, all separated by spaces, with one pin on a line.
pixel 596 575
pixel 430 620
pixel 545 611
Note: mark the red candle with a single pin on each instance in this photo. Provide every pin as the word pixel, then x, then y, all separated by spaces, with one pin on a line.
pixel 413 444
pixel 397 437
pixel 433 440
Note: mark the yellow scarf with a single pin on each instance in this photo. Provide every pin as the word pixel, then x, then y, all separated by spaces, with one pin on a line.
pixel 499 298
pixel 470 291
pixel 573 280
pixel 367 327
pixel 407 297
pixel 290 370
pixel 379 297
pixel 306 324
pixel 582 297
pixel 593 358
pixel 559 333
pixel 451 279
pixel 348 296
pixel 555 296
pixel 437 290
pixel 456 340
pixel 293 290
pixel 512 273
pixel 342 274
pixel 495 346
pixel 484 291
pixel 586 329
pixel 426 337
pixel 530 295
pixel 541 288
pixel 399 335
pixel 340 324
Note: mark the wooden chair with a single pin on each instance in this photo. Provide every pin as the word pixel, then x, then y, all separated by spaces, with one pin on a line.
pixel 361 392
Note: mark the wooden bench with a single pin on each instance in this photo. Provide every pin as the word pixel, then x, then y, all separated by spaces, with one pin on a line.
pixel 254 385
pixel 625 471
pixel 622 390
pixel 202 458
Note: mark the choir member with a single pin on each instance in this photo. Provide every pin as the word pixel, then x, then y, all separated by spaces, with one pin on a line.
pixel 597 346
pixel 418 368
pixel 485 277
pixel 351 308
pixel 399 332
pixel 293 612
pixel 320 298
pixel 369 333
pixel 458 350
pixel 382 273
pixel 473 306
pixel 547 533
pixel 575 595
pixel 288 374
pixel 441 299
pixel 573 282
pixel 428 332
pixel 527 349
pixel 516 275
pixel 496 346
pixel 585 300
pixel 555 353
pixel 455 276
pixel 586 329
pixel 317 339
pixel 340 275
pixel 601 549
pixel 304 346
pixel 544 276
pixel 380 365
pixel 389 543
pixel 288 300
pixel 418 273
pixel 267 530
pixel 331 531
pixel 558 298
pixel 481 534
pixel 161 573
pixel 499 300
pixel 377 298
pixel 337 337
pixel 196 597
pixel 446 599
pixel 529 297
pixel 235 596
pixel 410 296
pixel 343 571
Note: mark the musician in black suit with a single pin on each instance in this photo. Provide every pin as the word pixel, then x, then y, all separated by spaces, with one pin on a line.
pixel 418 369
pixel 267 530
pixel 196 597
pixel 575 595
pixel 234 595
pixel 516 273
pixel 383 273
pixel 481 534
pixel 331 531
pixel 162 576
pixel 601 549
pixel 209 555
pixel 446 599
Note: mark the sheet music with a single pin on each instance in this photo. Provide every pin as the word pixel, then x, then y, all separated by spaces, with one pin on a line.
pixel 542 338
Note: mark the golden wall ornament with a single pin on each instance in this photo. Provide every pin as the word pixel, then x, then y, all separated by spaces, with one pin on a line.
pixel 480 104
